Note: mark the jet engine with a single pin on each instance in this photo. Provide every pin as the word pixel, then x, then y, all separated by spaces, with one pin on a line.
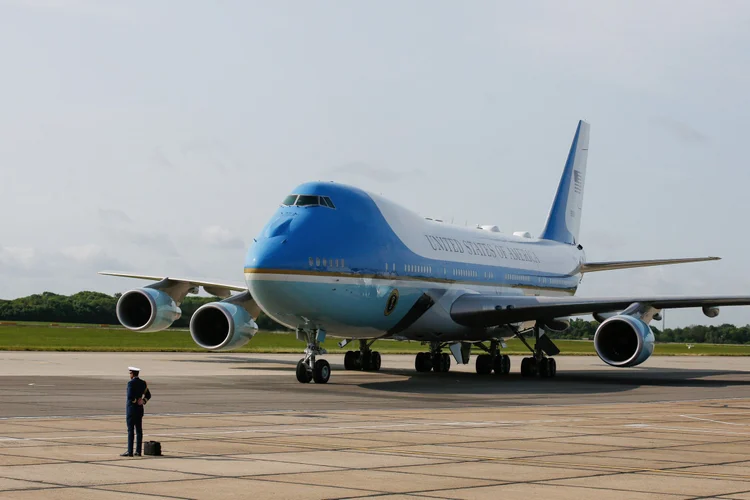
pixel 222 326
pixel 147 310
pixel 624 341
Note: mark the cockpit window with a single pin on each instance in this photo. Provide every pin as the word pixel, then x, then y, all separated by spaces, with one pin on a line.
pixel 289 200
pixel 306 200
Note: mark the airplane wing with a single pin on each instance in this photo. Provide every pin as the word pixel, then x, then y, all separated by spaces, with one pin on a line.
pixel 591 267
pixel 216 289
pixel 482 310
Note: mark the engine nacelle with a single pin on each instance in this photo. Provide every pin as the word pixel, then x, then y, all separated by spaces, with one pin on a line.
pixel 147 310
pixel 624 341
pixel 710 312
pixel 222 326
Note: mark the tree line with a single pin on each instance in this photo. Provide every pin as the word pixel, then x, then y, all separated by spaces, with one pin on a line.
pixel 99 308
pixel 95 308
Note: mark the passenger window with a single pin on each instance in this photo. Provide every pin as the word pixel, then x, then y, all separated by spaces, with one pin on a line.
pixel 337 262
pixel 342 263
pixel 317 261
pixel 324 262
pixel 310 261
pixel 289 200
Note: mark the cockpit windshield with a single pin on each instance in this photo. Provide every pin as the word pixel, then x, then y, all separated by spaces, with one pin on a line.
pixel 307 200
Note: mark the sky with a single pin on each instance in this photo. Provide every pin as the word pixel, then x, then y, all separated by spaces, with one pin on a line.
pixel 159 136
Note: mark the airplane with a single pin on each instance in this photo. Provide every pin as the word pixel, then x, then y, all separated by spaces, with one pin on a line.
pixel 337 261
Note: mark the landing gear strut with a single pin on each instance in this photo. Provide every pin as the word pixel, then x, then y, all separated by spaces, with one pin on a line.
pixel 493 360
pixel 435 360
pixel 364 359
pixel 538 364
pixel 308 368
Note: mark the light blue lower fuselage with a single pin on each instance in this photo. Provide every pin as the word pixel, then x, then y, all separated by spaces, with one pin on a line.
pixel 369 268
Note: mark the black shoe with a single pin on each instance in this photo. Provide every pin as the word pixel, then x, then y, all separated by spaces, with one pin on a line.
pixel 126 454
pixel 137 454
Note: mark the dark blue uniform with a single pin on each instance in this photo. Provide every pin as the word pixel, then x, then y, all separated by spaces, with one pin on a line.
pixel 134 413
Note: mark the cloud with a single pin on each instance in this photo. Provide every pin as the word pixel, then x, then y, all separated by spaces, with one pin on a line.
pixel 681 130
pixel 58 265
pixel 160 158
pixel 372 172
pixel 84 8
pixel 196 155
pixel 16 256
pixel 110 216
pixel 218 236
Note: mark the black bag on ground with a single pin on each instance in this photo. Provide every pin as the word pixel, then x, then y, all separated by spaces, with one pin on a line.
pixel 152 448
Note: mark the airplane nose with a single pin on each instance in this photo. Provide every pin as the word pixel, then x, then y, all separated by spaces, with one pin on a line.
pixel 266 253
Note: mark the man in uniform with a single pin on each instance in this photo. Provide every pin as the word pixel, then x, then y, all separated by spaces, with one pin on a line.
pixel 138 396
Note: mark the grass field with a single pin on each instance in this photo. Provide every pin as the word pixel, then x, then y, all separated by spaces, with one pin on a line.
pixel 40 337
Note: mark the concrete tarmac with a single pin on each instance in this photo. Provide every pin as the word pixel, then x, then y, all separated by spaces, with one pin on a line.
pixel 241 426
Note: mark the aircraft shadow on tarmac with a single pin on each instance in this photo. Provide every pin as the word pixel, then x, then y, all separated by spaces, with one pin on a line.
pixel 571 381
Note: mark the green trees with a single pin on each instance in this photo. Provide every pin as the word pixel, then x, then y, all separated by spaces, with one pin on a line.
pixel 93 308
pixel 99 308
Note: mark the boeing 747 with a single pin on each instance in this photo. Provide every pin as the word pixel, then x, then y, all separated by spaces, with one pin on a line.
pixel 337 261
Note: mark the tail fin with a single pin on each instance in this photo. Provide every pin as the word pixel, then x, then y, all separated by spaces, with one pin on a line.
pixel 564 219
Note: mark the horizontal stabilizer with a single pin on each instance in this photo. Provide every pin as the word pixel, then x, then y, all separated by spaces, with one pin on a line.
pixel 591 267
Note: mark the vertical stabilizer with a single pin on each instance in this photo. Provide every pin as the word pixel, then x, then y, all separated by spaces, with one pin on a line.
pixel 564 219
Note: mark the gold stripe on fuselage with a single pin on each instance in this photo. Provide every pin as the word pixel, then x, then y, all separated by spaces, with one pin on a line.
pixel 387 277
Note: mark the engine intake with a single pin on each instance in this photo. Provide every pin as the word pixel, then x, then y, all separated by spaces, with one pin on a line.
pixel 624 341
pixel 146 310
pixel 222 326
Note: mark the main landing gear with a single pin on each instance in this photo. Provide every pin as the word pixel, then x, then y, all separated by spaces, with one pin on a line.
pixel 364 359
pixel 435 360
pixel 308 368
pixel 539 364
pixel 493 361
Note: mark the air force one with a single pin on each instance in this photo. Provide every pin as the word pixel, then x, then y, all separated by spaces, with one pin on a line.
pixel 336 261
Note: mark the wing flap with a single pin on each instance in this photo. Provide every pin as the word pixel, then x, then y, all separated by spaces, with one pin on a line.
pixel 482 310
pixel 591 267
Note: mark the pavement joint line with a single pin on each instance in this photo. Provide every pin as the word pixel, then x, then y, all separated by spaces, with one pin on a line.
pixel 155 495
pixel 498 482
pixel 525 406
pixel 278 431
pixel 617 469
pixel 723 495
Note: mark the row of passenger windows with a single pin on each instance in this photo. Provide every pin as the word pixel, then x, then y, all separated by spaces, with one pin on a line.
pixel 411 268
pixel 307 200
pixel 518 277
pixel 317 261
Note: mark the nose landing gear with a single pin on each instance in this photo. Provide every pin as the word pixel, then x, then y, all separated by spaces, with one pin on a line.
pixel 308 368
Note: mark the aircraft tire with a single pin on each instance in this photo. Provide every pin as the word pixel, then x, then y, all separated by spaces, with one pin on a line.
pixel 445 362
pixel 484 364
pixel 375 361
pixel 321 371
pixel 422 362
pixel 349 361
pixel 303 376
pixel 544 368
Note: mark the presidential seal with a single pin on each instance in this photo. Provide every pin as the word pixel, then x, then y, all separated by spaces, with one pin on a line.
pixel 390 304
